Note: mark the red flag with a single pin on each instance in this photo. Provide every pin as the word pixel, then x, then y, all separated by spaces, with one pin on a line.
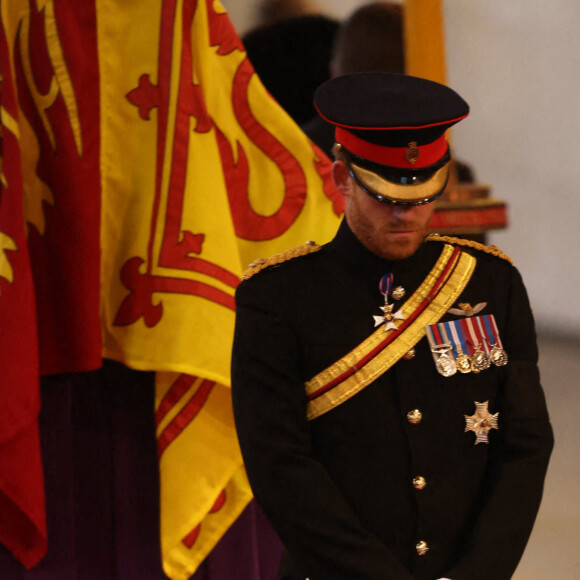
pixel 57 81
pixel 22 521
pixel 49 236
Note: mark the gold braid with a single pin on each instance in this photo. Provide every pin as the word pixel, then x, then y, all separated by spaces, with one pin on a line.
pixel 493 250
pixel 261 263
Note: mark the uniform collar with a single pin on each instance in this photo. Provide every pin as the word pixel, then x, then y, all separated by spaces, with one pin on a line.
pixel 349 247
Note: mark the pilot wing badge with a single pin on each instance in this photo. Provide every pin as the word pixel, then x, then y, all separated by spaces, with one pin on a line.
pixel 465 309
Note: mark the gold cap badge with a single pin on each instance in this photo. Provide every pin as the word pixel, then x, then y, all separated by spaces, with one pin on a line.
pixel 412 153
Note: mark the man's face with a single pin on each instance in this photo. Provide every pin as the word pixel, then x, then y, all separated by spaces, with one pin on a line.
pixel 394 232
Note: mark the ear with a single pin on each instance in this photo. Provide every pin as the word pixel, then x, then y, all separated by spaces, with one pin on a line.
pixel 341 177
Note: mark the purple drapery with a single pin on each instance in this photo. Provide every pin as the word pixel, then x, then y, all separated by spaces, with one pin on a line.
pixel 102 489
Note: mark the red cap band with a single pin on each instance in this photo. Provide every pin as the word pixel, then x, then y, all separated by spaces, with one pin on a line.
pixel 392 156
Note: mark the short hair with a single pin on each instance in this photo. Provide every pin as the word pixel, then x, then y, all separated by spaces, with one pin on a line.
pixel 371 39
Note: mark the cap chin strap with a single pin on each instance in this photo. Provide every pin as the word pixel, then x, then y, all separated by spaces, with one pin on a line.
pixel 441 175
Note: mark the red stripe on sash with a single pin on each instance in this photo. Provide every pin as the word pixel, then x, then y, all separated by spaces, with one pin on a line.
pixel 422 306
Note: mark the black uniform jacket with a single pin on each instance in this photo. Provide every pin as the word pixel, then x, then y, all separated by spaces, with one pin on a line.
pixel 339 489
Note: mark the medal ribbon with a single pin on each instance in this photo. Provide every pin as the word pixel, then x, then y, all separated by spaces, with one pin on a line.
pixel 481 333
pixel 434 339
pixel 475 334
pixel 469 344
pixel 385 285
pixel 492 331
pixel 458 339
pixel 441 346
pixel 438 339
pixel 443 333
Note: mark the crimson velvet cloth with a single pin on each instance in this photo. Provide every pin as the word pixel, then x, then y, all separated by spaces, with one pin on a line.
pixel 102 489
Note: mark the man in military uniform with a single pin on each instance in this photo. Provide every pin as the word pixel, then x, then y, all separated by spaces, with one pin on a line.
pixel 385 386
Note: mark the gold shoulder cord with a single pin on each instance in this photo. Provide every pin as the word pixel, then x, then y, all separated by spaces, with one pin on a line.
pixel 493 250
pixel 276 259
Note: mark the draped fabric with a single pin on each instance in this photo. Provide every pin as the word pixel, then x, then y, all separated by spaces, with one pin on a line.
pixel 102 489
pixel 49 219
pixel 143 167
pixel 22 521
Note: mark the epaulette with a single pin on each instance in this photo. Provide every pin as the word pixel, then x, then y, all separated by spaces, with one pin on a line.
pixel 493 250
pixel 262 263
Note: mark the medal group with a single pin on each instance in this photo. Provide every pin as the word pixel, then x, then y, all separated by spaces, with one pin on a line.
pixel 470 344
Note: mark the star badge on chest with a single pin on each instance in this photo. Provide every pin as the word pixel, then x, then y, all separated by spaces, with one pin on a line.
pixel 481 422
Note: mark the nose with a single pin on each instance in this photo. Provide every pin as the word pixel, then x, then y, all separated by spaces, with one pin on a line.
pixel 400 211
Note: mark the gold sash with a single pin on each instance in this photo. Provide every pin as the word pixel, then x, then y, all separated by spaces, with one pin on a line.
pixel 380 351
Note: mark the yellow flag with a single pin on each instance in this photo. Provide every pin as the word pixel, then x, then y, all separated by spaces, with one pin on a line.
pixel 202 172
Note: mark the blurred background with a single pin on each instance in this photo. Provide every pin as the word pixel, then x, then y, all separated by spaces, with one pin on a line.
pixel 517 66
pixel 517 63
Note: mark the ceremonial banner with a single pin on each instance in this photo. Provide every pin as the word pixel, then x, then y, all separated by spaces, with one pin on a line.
pixel 49 237
pixel 53 58
pixel 202 172
pixel 22 520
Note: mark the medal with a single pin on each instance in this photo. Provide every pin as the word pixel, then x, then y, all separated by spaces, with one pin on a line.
pixel 481 422
pixel 445 364
pixel 463 363
pixel 440 350
pixel 389 316
pixel 480 358
pixel 461 360
pixel 497 355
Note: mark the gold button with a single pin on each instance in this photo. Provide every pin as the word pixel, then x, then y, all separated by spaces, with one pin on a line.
pixel 414 417
pixel 409 354
pixel 419 482
pixel 422 548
